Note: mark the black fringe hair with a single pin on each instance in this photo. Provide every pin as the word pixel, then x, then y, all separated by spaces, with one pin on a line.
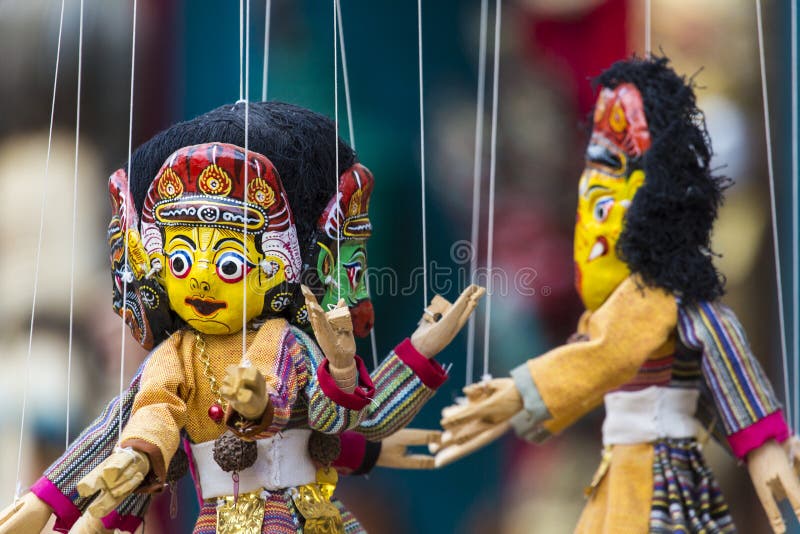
pixel 299 142
pixel 666 237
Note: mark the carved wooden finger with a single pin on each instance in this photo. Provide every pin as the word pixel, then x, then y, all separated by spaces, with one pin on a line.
pixel 450 454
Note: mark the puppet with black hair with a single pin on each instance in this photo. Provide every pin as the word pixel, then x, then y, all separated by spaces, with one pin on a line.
pixel 180 189
pixel 655 344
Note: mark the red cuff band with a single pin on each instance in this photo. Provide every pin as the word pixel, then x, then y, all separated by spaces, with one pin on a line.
pixel 64 509
pixel 124 523
pixel 354 446
pixel 752 437
pixel 356 400
pixel 429 372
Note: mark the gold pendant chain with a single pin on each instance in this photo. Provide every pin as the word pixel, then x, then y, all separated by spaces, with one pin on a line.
pixel 200 343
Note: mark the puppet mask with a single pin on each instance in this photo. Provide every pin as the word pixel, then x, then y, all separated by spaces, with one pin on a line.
pixel 339 253
pixel 606 189
pixel 193 225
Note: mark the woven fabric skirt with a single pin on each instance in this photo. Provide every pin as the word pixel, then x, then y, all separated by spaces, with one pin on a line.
pixel 659 488
pixel 280 516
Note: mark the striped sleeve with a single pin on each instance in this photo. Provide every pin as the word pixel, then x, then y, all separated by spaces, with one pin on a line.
pixel 404 381
pixel 57 487
pixel 330 410
pixel 747 405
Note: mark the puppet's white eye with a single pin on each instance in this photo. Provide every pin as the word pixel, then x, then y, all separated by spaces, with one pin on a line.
pixel 231 267
pixel 180 263
pixel 602 208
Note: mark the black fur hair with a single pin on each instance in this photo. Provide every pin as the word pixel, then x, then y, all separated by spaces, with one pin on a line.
pixel 666 238
pixel 299 142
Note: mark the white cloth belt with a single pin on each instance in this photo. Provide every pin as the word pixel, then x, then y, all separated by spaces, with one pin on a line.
pixel 283 462
pixel 650 414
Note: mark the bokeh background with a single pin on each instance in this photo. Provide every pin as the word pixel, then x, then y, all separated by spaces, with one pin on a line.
pixel 187 62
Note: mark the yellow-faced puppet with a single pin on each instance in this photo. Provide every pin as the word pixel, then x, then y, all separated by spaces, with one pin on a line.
pixel 606 189
pixel 224 253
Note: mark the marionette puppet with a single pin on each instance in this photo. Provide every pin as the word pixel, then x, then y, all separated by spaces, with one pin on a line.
pixel 285 132
pixel 655 344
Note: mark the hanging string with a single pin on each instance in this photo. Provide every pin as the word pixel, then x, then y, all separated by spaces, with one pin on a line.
pixel 648 31
pixel 422 161
pixel 776 243
pixel 477 167
pixel 492 176
pixel 246 69
pixel 37 262
pixel 265 72
pixel 336 149
pixel 241 50
pixel 74 210
pixel 125 276
pixel 352 136
pixel 795 222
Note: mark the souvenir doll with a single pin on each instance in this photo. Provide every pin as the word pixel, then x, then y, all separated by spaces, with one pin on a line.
pixel 655 345
pixel 284 132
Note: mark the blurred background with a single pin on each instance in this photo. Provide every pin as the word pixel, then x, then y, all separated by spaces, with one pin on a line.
pixel 187 62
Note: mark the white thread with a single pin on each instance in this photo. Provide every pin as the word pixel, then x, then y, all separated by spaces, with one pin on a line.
pixel 348 103
pixel 648 29
pixel 336 149
pixel 477 169
pixel 241 50
pixel 776 244
pixel 265 72
pixel 492 173
pixel 795 224
pixel 124 235
pixel 18 485
pixel 74 208
pixel 422 160
pixel 245 360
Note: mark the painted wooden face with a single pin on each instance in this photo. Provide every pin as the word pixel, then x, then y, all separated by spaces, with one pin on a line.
pixel 213 279
pixel 606 189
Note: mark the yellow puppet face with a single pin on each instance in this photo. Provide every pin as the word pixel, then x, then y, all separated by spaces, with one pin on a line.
pixel 603 200
pixel 205 273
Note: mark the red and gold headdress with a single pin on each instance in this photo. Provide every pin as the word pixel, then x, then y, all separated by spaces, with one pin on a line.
pixel 349 210
pixel 204 185
pixel 619 120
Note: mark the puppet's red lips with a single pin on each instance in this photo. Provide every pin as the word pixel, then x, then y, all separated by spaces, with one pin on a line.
pixel 599 249
pixel 205 307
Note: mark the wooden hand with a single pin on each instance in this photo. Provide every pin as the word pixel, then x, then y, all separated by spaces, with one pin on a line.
pixel 441 321
pixel 394 449
pixel 245 389
pixel 774 478
pixel 88 524
pixel 28 515
pixel 334 333
pixel 483 418
pixel 115 478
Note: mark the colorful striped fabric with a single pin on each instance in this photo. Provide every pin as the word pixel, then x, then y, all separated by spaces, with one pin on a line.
pixel 399 396
pixel 686 498
pixel 735 381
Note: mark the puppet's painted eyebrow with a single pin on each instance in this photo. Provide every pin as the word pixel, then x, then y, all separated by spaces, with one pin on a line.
pixel 185 239
pixel 224 240
pixel 596 188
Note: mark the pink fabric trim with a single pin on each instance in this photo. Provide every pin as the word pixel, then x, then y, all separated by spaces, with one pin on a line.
pixel 752 437
pixel 126 523
pixel 193 470
pixel 64 509
pixel 429 371
pixel 356 400
pixel 354 446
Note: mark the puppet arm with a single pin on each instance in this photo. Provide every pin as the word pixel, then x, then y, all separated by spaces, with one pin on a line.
pixel 748 407
pixel 56 491
pixel 410 376
pixel 549 393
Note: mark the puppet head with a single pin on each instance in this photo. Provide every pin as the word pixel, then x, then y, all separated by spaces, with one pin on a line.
pixel 336 263
pixel 300 145
pixel 647 198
